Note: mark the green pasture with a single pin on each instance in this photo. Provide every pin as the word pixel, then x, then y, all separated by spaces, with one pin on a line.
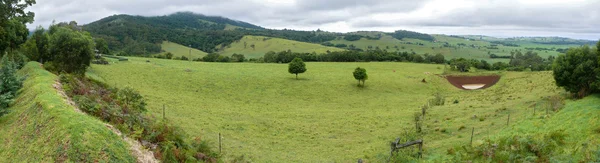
pixel 265 115
pixel 263 45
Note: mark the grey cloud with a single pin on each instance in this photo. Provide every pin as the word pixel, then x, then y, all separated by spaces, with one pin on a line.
pixel 356 13
pixel 577 18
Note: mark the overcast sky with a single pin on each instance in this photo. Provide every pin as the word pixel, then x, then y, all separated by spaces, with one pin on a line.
pixel 500 18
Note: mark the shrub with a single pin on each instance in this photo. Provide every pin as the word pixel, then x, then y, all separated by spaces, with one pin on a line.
pixel 455 102
pixel 438 100
pixel 169 55
pixel 72 50
pixel 9 85
pixel 577 70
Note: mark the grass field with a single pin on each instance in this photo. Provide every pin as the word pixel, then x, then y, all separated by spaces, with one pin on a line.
pixel 42 127
pixel 266 44
pixel 266 115
pixel 179 50
pixel 389 43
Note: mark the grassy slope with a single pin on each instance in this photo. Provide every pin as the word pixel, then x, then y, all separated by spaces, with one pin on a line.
pixel 272 44
pixel 42 127
pixel 180 50
pixel 264 113
pixel 580 120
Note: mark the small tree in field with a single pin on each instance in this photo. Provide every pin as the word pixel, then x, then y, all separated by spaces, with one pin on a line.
pixel 360 74
pixel 297 66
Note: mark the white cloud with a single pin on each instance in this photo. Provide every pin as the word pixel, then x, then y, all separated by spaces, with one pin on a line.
pixel 574 18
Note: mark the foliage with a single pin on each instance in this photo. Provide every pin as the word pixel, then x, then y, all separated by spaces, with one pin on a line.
pixel 125 108
pixel 37 47
pixel 460 64
pixel 238 58
pixel 401 34
pixel 13 17
pixel 577 71
pixel 102 46
pixel 169 55
pixel 10 83
pixel 297 66
pixel 351 56
pixel 72 50
pixel 124 32
pixel 360 74
pixel 352 37
pixel 530 60
pixel 130 100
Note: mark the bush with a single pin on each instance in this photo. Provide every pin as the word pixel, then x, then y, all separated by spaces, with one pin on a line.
pixel 522 148
pixel 577 71
pixel 72 50
pixel 438 100
pixel 9 85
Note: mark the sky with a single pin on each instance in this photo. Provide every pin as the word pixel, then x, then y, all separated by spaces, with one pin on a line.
pixel 578 19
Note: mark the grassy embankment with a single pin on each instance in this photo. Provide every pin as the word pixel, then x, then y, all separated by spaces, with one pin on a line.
pixel 43 127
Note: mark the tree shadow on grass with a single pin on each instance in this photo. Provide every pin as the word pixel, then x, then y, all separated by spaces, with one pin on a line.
pixel 299 79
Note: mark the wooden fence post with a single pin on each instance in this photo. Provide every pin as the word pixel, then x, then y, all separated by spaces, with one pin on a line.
pixel 508 120
pixel 163 111
pixel 472 132
pixel 220 144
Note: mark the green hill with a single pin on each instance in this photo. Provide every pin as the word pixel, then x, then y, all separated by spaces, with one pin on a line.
pixel 263 45
pixel 180 50
pixel 43 127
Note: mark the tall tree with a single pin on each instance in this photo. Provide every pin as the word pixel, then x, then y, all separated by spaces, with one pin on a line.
pixel 13 17
pixel 297 66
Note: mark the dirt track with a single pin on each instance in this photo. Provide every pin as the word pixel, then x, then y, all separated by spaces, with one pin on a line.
pixel 459 81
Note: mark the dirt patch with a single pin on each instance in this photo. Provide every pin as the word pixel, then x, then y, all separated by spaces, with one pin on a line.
pixel 473 82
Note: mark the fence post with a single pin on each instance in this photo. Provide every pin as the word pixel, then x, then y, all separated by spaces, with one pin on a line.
pixel 472 131
pixel 163 111
pixel 508 120
pixel 220 144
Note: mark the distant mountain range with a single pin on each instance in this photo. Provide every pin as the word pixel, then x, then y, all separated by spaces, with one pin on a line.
pixel 136 35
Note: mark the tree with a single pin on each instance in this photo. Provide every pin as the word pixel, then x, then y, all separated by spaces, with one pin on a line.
pixel 169 55
pixel 238 58
pixel 72 50
pixel 253 47
pixel 12 23
pixel 438 58
pixel 297 66
pixel 102 46
pixel 577 71
pixel 360 74
pixel 461 64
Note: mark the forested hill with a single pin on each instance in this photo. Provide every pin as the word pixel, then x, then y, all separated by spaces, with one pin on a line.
pixel 141 35
pixel 138 34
